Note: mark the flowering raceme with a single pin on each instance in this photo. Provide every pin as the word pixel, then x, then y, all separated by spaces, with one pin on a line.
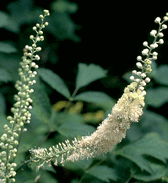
pixel 21 115
pixel 128 109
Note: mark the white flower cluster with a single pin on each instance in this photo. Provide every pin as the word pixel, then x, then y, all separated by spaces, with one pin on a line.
pixel 148 55
pixel 9 141
pixel 128 109
pixel 43 155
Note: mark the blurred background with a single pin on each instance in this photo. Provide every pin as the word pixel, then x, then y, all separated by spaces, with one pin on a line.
pixel 109 34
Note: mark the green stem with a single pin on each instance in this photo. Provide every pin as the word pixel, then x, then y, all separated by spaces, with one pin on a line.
pixel 71 99
pixel 148 56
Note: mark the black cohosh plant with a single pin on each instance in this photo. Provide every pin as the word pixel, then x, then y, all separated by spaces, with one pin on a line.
pixel 109 133
pixel 127 110
pixel 21 109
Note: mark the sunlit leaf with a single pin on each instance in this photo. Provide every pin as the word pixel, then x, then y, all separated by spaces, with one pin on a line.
pixel 88 73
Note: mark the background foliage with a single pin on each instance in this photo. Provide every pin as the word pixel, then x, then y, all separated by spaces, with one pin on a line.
pixel 84 67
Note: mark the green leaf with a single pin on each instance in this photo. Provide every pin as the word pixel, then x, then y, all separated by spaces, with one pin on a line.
pixel 153 122
pixel 20 10
pixel 151 145
pixel 157 97
pixel 7 48
pixel 4 19
pixel 2 104
pixel 11 60
pixel 79 165
pixel 41 103
pixel 161 75
pixel 58 118
pixel 62 27
pixel 64 6
pixel 93 96
pixel 55 81
pixel 47 177
pixel 88 73
pixel 103 173
pixel 159 170
pixel 5 76
pixel 73 129
pixel 3 121
pixel 8 22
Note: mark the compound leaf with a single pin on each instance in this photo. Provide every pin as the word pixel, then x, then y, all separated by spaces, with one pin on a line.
pixel 161 75
pixel 151 145
pixel 157 97
pixel 55 81
pixel 88 73
pixel 7 48
pixel 73 129
pixel 5 76
pixel 93 96
pixel 103 173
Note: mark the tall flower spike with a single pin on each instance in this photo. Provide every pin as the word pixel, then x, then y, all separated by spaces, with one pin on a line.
pixel 21 115
pixel 113 129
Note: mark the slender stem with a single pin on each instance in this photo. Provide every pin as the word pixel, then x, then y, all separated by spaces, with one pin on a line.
pixel 71 99
pixel 148 56
pixel 22 164
pixel 20 110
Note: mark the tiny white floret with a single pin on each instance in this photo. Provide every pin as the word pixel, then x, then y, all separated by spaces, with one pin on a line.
pixel 153 32
pixel 143 83
pixel 139 65
pixel 139 58
pixel 143 75
pixel 145 52
pixel 157 20
pixel 160 34
pixel 164 26
pixel 161 41
pixel 147 80
pixel 132 78
pixel 155 53
pixel 153 46
pixel 154 57
pixel 145 43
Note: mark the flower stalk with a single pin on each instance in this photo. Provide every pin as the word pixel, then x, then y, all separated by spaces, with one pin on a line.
pixel 9 141
pixel 112 130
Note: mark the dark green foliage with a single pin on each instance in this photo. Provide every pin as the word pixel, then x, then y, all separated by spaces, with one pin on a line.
pixel 87 74
pixel 141 157
pixel 55 82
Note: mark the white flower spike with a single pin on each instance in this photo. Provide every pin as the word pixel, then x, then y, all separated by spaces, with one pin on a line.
pixel 112 130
